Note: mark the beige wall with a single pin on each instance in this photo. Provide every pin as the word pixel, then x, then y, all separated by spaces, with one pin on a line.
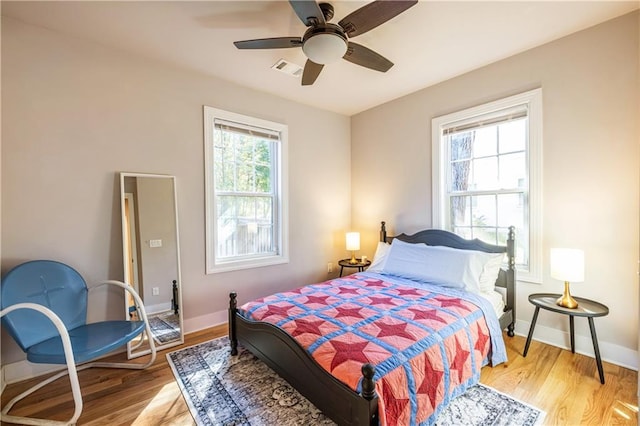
pixel 591 162
pixel 76 113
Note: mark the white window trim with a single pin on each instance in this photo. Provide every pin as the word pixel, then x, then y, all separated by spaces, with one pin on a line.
pixel 533 99
pixel 210 114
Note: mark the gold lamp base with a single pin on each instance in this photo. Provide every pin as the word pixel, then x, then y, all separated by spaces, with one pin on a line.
pixel 353 260
pixel 566 300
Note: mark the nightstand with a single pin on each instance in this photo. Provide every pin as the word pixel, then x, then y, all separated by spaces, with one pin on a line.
pixel 586 308
pixel 346 263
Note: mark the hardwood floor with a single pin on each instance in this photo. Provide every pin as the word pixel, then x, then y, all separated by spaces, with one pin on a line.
pixel 564 385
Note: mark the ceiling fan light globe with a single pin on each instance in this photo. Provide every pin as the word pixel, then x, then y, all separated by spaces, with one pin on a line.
pixel 325 48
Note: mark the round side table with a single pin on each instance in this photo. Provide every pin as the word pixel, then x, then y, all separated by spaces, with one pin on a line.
pixel 586 308
pixel 346 263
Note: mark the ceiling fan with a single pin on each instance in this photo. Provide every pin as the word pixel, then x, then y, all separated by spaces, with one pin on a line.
pixel 324 42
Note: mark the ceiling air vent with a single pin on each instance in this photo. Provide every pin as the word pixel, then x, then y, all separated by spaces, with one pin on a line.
pixel 287 67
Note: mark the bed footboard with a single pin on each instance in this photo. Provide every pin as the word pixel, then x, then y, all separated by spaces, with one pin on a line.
pixel 287 358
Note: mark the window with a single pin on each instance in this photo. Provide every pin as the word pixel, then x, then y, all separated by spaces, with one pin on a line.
pixel 246 209
pixel 487 175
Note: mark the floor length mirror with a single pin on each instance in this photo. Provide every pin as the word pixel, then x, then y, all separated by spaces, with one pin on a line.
pixel 151 256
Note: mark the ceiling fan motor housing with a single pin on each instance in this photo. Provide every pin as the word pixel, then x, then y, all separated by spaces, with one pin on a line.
pixel 325 43
pixel 327 10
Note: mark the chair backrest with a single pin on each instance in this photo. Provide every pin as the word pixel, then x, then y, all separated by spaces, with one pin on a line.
pixel 52 284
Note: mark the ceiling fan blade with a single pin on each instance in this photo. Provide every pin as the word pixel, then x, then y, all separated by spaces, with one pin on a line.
pixel 269 43
pixel 311 72
pixel 308 11
pixel 363 56
pixel 373 14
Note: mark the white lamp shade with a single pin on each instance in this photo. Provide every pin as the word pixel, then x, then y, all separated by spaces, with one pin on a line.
pixel 567 264
pixel 353 241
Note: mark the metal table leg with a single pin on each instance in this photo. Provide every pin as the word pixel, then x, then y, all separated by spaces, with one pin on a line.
pixel 533 325
pixel 573 336
pixel 596 349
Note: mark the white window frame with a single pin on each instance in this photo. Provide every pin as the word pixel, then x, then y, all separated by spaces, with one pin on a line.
pixel 213 264
pixel 440 155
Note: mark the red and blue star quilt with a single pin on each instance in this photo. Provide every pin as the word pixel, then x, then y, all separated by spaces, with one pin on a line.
pixel 428 343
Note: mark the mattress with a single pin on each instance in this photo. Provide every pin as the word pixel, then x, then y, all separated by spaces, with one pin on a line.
pixel 497 301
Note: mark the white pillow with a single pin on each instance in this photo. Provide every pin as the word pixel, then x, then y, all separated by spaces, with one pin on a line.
pixel 438 265
pixel 490 271
pixel 380 258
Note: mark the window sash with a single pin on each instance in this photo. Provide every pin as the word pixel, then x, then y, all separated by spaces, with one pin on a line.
pixel 237 244
pixel 473 228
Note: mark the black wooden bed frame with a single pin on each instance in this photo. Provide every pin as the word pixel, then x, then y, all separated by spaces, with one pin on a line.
pixel 286 357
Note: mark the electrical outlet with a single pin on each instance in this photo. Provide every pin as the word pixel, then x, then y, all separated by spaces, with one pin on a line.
pixel 329 267
pixel 155 291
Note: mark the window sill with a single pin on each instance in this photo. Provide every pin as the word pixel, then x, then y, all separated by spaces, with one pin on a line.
pixel 528 278
pixel 247 264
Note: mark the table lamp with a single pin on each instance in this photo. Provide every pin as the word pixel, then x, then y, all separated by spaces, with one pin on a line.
pixel 353 244
pixel 567 265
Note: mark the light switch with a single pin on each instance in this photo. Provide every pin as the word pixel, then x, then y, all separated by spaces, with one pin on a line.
pixel 155 243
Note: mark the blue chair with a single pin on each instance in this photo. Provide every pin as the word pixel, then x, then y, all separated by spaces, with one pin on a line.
pixel 57 332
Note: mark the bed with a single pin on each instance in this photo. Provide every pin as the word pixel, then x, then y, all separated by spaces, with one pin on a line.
pixel 294 343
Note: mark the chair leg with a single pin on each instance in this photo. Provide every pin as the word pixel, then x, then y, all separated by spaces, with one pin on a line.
pixel 71 371
pixel 77 396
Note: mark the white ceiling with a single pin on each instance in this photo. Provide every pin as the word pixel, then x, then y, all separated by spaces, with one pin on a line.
pixel 429 43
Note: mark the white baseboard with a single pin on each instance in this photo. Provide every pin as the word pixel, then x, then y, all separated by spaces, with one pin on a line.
pixel 160 307
pixel 205 321
pixel 609 352
pixel 3 382
pixel 23 370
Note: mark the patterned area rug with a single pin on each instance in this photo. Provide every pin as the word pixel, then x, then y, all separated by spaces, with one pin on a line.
pixel 221 389
pixel 165 327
